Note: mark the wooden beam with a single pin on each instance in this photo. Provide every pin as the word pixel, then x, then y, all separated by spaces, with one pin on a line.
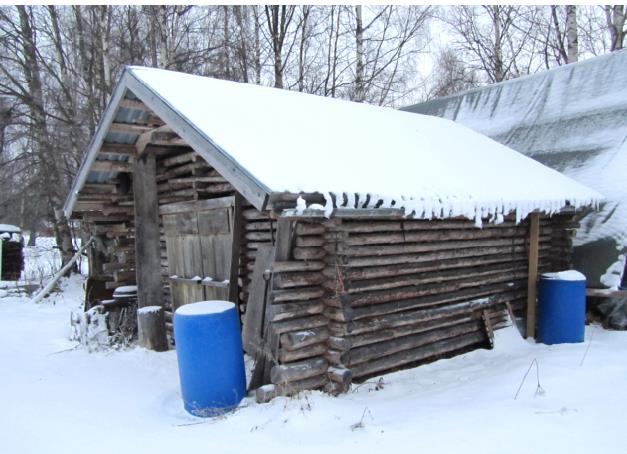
pixel 532 279
pixel 88 206
pixel 245 183
pixel 100 188
pixel 199 205
pixel 147 242
pixel 110 166
pixel 129 128
pixel 118 149
pixel 237 231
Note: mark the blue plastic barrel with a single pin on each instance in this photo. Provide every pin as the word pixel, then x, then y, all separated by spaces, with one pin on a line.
pixel 210 357
pixel 561 307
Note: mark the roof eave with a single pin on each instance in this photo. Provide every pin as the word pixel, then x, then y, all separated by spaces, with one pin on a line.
pixel 96 143
pixel 245 183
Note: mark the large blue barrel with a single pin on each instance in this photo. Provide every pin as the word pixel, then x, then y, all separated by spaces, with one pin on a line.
pixel 561 307
pixel 210 356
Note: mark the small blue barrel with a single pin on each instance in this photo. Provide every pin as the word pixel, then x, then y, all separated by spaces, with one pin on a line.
pixel 210 356
pixel 561 307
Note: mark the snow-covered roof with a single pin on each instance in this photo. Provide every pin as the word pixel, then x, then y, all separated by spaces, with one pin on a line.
pixel 572 118
pixel 268 141
pixel 9 228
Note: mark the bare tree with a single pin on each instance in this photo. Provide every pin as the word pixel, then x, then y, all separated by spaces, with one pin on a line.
pixel 615 17
pixel 278 22
pixel 495 36
pixel 451 75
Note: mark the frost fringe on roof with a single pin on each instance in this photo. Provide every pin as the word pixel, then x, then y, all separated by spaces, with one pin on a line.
pixel 361 155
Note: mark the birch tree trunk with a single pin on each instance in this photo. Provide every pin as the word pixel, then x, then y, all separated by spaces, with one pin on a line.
pixel 615 16
pixel 571 33
pixel 359 54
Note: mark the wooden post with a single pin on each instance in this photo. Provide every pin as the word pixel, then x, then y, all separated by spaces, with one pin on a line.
pixel 238 223
pixel 147 246
pixel 150 320
pixel 532 282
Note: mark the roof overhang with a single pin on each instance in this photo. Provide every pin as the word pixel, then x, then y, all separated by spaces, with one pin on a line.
pixel 245 183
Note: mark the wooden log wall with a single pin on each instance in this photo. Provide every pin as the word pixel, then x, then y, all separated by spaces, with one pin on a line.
pixel 110 219
pixel 364 297
pixel 297 312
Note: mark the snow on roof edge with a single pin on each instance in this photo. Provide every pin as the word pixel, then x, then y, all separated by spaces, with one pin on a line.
pixel 437 209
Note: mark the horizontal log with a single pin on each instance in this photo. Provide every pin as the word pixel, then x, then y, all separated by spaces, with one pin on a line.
pixel 182 158
pixel 287 356
pixel 517 269
pixel 118 149
pixel 341 344
pixel 417 354
pixel 300 339
pixel 498 292
pixel 461 223
pixel 308 253
pixel 260 236
pixel 298 279
pixel 300 294
pixel 216 188
pixel 258 226
pixel 340 375
pixel 129 128
pixel 409 292
pixel 366 273
pixel 171 172
pixel 310 241
pixel 306 228
pixel 424 257
pixel 413 248
pixel 437 235
pixel 380 349
pixel 415 315
pixel 381 335
pixel 288 266
pixel 110 166
pixel 295 310
pixel 285 373
pixel 299 324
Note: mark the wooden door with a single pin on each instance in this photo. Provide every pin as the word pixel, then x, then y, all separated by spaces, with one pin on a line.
pixel 199 239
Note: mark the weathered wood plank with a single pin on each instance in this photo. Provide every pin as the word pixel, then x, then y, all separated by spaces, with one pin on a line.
pixel 254 317
pixel 532 279
pixel 147 245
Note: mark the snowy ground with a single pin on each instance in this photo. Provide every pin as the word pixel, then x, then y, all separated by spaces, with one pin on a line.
pixel 58 398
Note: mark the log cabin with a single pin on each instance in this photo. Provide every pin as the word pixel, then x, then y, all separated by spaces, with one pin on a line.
pixel 355 239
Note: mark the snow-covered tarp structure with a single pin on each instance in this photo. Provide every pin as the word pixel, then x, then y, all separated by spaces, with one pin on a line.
pixel 574 120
